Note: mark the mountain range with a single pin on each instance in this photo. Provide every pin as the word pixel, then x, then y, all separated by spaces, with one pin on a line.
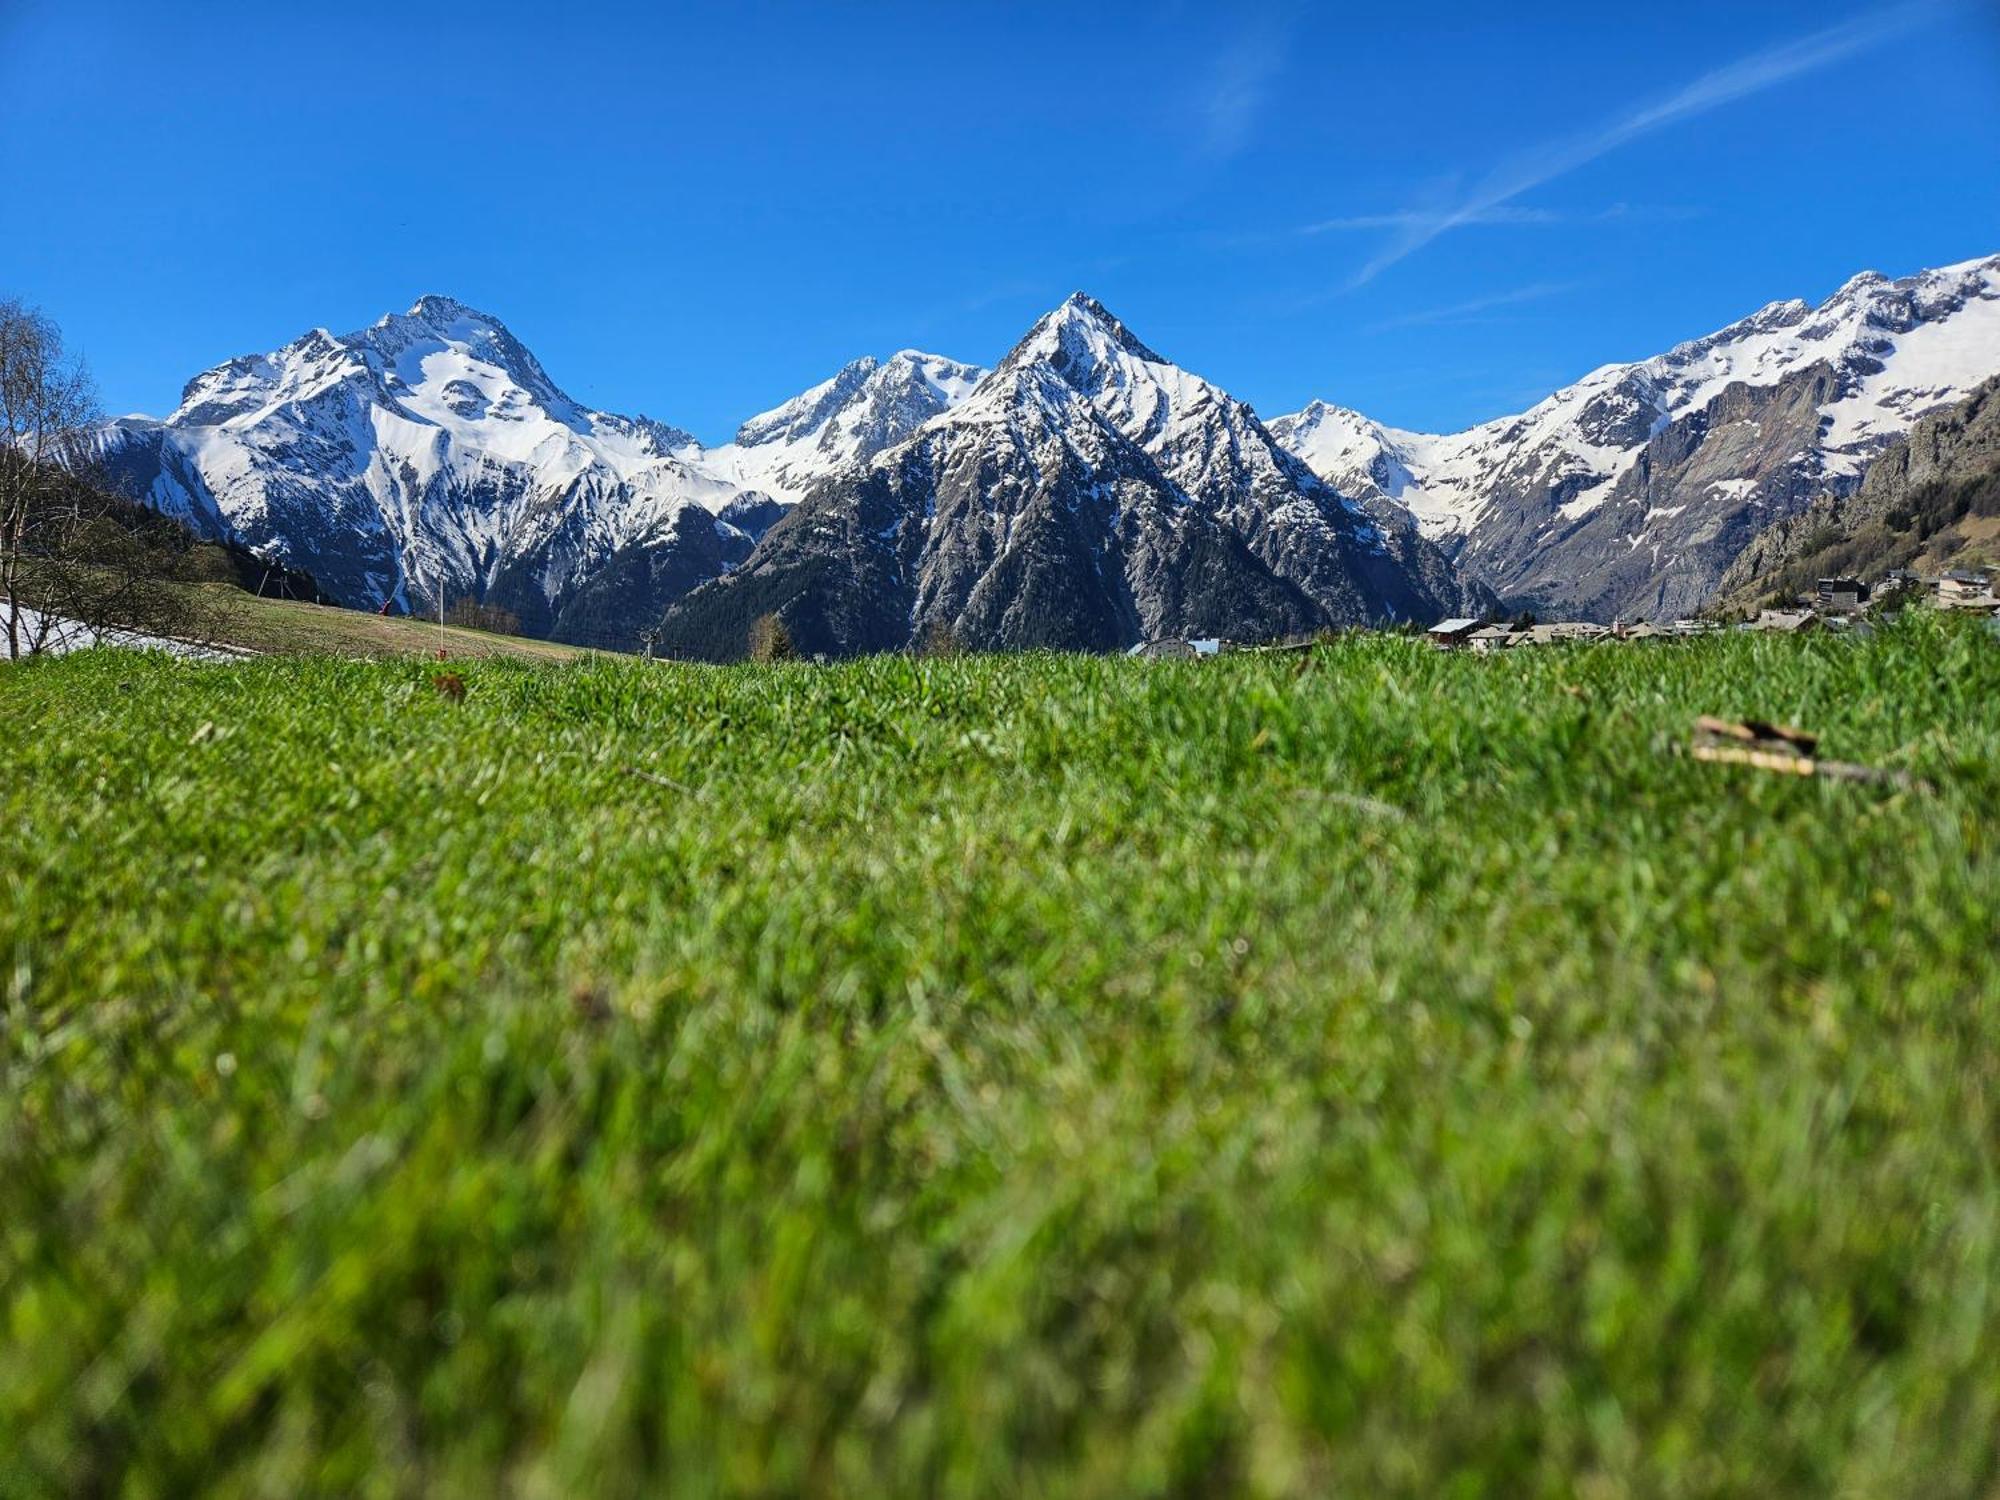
pixel 1630 492
pixel 430 456
pixel 1085 492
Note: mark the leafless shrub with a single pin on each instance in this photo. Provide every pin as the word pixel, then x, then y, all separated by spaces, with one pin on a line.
pixel 939 639
pixel 769 640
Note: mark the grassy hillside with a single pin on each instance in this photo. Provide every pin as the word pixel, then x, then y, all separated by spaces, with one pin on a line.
pixel 1369 1073
pixel 285 626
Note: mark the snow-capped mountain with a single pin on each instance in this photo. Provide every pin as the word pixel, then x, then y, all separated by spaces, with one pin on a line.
pixel 1087 493
pixel 870 405
pixel 1631 490
pixel 1359 456
pixel 431 454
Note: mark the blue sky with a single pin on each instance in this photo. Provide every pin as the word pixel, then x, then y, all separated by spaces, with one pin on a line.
pixel 1435 215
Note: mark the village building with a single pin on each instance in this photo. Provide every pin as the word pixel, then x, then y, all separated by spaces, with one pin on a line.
pixel 1558 631
pixel 1491 638
pixel 1448 634
pixel 1964 589
pixel 1840 593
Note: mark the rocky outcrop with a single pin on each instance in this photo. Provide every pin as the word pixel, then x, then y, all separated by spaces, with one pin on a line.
pixel 1931 501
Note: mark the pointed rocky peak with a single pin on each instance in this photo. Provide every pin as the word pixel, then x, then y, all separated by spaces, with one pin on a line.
pixel 433 305
pixel 316 343
pixel 1320 432
pixel 450 318
pixel 1077 337
pixel 449 321
pixel 1317 416
pixel 947 379
pixel 1858 284
pixel 399 343
pixel 1355 453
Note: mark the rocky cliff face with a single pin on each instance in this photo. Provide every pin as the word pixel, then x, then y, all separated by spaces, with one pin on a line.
pixel 1087 494
pixel 1656 545
pixel 1930 501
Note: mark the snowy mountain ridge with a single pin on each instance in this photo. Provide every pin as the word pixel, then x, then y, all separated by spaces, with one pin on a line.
pixel 431 454
pixel 868 405
pixel 1088 493
pixel 1911 346
pixel 1514 497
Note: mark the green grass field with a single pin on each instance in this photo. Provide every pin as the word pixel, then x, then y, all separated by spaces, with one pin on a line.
pixel 1368 1073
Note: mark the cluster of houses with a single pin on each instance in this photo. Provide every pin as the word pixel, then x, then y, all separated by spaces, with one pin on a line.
pixel 1834 603
pixel 1499 635
pixel 1837 601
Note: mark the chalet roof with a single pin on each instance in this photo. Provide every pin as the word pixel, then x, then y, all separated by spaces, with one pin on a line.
pixel 1784 619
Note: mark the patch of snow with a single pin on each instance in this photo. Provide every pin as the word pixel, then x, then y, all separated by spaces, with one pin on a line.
pixel 55 635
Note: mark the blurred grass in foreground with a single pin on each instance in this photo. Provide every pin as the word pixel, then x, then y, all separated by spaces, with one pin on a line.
pixel 1387 1074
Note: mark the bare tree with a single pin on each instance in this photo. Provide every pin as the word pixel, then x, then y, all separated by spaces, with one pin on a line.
pixel 46 401
pixel 71 553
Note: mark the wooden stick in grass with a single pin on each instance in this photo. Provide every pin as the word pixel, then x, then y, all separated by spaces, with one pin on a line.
pixel 1787 751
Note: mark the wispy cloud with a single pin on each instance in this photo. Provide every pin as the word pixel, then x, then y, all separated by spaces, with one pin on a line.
pixel 1232 95
pixel 1438 220
pixel 1475 307
pixel 1410 219
pixel 1712 90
